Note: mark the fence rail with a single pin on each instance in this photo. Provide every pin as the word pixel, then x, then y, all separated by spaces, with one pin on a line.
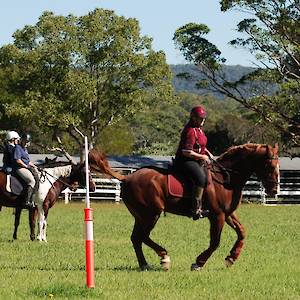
pixel 289 189
pixel 106 189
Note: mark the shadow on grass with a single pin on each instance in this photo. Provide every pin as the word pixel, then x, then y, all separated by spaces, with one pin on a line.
pixel 46 268
pixel 67 290
pixel 135 269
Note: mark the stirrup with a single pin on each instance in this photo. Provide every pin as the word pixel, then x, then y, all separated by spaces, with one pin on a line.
pixel 28 205
pixel 196 215
pixel 200 214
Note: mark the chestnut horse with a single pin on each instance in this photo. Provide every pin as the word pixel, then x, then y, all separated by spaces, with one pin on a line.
pixel 145 193
pixel 53 179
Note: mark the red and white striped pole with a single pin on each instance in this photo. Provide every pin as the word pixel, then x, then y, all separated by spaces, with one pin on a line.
pixel 89 236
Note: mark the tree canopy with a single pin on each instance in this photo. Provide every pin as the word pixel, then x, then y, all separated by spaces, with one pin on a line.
pixel 67 75
pixel 271 33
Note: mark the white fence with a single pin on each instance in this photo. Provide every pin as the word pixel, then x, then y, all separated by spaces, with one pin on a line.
pixel 106 189
pixel 289 189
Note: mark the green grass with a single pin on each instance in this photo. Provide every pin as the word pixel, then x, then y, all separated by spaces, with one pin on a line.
pixel 269 266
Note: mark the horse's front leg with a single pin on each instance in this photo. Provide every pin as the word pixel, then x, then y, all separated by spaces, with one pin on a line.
pixel 216 226
pixel 235 252
pixel 42 226
pixel 18 211
pixel 32 219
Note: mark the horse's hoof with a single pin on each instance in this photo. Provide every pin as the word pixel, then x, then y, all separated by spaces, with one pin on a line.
pixel 195 267
pixel 145 268
pixel 228 262
pixel 165 262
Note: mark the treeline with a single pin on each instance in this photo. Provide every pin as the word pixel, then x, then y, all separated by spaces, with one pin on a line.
pixel 187 77
pixel 157 130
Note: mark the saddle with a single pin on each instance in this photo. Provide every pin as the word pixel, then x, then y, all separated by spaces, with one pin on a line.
pixel 178 185
pixel 16 185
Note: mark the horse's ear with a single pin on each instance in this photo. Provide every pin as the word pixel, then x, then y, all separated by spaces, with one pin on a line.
pixel 276 146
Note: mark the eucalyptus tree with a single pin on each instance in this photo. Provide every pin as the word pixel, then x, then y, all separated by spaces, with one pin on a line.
pixel 77 75
pixel 271 33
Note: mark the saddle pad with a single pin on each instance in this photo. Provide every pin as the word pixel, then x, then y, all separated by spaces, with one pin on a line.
pixel 175 186
pixel 8 189
pixel 13 185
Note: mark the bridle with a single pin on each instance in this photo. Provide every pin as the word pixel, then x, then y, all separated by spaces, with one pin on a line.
pixel 44 175
pixel 272 181
pixel 228 172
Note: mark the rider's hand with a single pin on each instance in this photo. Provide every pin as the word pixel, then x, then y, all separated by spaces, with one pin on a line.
pixel 205 158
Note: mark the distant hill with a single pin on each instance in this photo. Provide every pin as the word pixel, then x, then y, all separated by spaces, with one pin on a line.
pixel 232 73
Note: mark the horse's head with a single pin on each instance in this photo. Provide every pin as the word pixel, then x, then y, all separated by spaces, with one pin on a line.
pixel 78 175
pixel 268 169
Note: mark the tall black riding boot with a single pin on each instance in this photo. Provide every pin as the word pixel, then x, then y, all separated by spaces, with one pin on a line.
pixel 197 204
pixel 28 203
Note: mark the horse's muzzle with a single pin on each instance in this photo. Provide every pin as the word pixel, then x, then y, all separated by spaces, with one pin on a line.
pixel 272 192
pixel 92 188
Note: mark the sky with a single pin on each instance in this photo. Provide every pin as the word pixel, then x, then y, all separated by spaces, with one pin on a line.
pixel 158 19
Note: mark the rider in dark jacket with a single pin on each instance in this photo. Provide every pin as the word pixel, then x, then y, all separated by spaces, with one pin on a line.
pixel 12 139
pixel 25 168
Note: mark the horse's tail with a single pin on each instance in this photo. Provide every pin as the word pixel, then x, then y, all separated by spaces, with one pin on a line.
pixel 99 163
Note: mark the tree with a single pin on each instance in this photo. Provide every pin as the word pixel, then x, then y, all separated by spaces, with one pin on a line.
pixel 80 74
pixel 272 34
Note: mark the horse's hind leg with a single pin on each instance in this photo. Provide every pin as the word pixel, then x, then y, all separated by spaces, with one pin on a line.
pixel 18 211
pixel 235 252
pixel 165 259
pixel 140 234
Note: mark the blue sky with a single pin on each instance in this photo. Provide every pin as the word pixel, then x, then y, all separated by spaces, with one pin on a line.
pixel 158 19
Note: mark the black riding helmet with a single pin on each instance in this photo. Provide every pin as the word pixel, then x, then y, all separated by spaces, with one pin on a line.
pixel 26 137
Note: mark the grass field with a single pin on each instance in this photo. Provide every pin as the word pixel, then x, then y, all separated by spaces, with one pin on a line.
pixel 269 266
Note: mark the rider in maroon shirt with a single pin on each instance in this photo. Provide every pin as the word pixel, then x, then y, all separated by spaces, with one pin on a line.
pixel 191 156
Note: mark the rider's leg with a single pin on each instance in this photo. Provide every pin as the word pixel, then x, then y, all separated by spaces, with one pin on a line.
pixel 197 210
pixel 27 176
pixel 197 202
pixel 197 174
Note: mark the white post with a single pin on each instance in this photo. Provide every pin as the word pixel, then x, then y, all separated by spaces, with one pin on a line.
pixel 88 219
pixel 87 172
pixel 66 197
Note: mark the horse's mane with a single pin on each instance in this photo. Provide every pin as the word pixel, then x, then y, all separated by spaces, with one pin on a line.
pixel 99 163
pixel 53 164
pixel 64 170
pixel 56 168
pixel 234 150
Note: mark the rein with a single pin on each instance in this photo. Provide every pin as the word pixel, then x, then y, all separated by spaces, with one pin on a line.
pixel 44 176
pixel 224 171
